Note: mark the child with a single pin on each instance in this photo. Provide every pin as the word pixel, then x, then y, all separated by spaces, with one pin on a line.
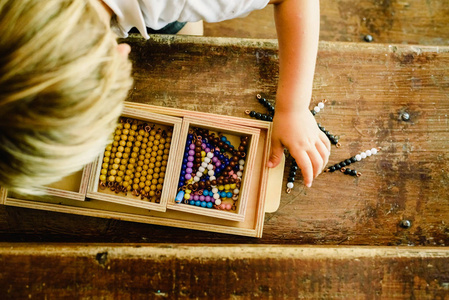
pixel 64 78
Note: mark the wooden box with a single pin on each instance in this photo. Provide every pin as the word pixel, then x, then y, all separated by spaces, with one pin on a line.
pixel 248 217
pixel 163 122
pixel 233 132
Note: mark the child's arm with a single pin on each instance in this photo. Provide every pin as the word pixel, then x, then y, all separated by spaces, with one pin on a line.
pixel 297 26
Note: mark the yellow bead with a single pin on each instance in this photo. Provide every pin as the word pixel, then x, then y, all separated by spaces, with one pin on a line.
pixel 160 180
pixel 127 125
pixel 111 178
pixel 152 193
pixel 227 186
pixel 187 196
pixel 119 154
pixel 106 159
pixel 159 186
pixel 134 127
pixel 203 153
pixel 103 177
pixel 220 187
pixel 118 179
pixel 142 185
pixel 135 186
pixel 107 153
pixel 233 185
pixel 187 191
pixel 154 181
pixel 108 147
pixel 153 187
pixel 104 171
pixel 147 189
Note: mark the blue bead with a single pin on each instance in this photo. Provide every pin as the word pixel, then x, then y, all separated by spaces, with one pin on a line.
pixel 197 203
pixel 185 161
pixel 209 204
pixel 179 196
pixel 192 202
pixel 206 193
pixel 203 203
pixel 223 139
pixel 229 194
pixel 228 142
pixel 223 194
pixel 190 136
pixel 183 172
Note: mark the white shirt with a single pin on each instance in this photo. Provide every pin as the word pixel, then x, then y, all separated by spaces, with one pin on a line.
pixel 156 14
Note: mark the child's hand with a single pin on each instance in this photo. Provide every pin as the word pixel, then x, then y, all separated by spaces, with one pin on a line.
pixel 299 133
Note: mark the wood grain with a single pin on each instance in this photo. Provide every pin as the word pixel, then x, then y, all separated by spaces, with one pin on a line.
pixel 387 21
pixel 368 87
pixel 169 271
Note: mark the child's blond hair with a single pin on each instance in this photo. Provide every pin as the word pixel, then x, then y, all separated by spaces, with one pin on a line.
pixel 62 87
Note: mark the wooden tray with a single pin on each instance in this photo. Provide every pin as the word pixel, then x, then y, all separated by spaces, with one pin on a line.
pixel 254 185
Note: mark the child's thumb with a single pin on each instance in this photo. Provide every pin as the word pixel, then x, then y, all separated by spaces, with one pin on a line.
pixel 277 150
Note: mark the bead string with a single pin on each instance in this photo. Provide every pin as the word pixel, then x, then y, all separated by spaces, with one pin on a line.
pixel 212 170
pixel 342 166
pixel 136 160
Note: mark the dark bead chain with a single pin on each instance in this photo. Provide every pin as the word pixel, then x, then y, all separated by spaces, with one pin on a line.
pixel 265 103
pixel 332 138
pixel 350 172
pixel 291 176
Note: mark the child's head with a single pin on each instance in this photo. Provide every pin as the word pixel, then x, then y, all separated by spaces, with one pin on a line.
pixel 62 87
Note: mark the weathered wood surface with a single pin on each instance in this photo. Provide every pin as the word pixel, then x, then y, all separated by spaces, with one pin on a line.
pixel 221 272
pixel 369 87
pixel 387 21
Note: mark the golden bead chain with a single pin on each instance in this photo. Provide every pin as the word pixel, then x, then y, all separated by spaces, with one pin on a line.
pixel 136 161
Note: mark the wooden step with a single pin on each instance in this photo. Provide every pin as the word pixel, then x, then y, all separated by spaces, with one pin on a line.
pixel 169 271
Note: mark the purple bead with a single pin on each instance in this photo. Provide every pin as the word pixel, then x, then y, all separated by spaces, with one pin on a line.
pixel 189 170
pixel 190 158
pixel 191 152
pixel 214 159
pixel 189 164
pixel 202 198
pixel 192 146
pixel 218 163
pixel 207 150
pixel 196 197
pixel 188 176
pixel 208 198
pixel 203 145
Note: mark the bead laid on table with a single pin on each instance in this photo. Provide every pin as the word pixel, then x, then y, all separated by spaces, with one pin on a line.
pixel 291 178
pixel 358 157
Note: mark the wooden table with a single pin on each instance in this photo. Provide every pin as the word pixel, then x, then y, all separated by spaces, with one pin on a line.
pixel 392 96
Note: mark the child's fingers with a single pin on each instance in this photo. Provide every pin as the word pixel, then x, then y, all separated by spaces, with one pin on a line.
pixel 316 160
pixel 277 150
pixel 305 164
pixel 324 152
pixel 326 141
